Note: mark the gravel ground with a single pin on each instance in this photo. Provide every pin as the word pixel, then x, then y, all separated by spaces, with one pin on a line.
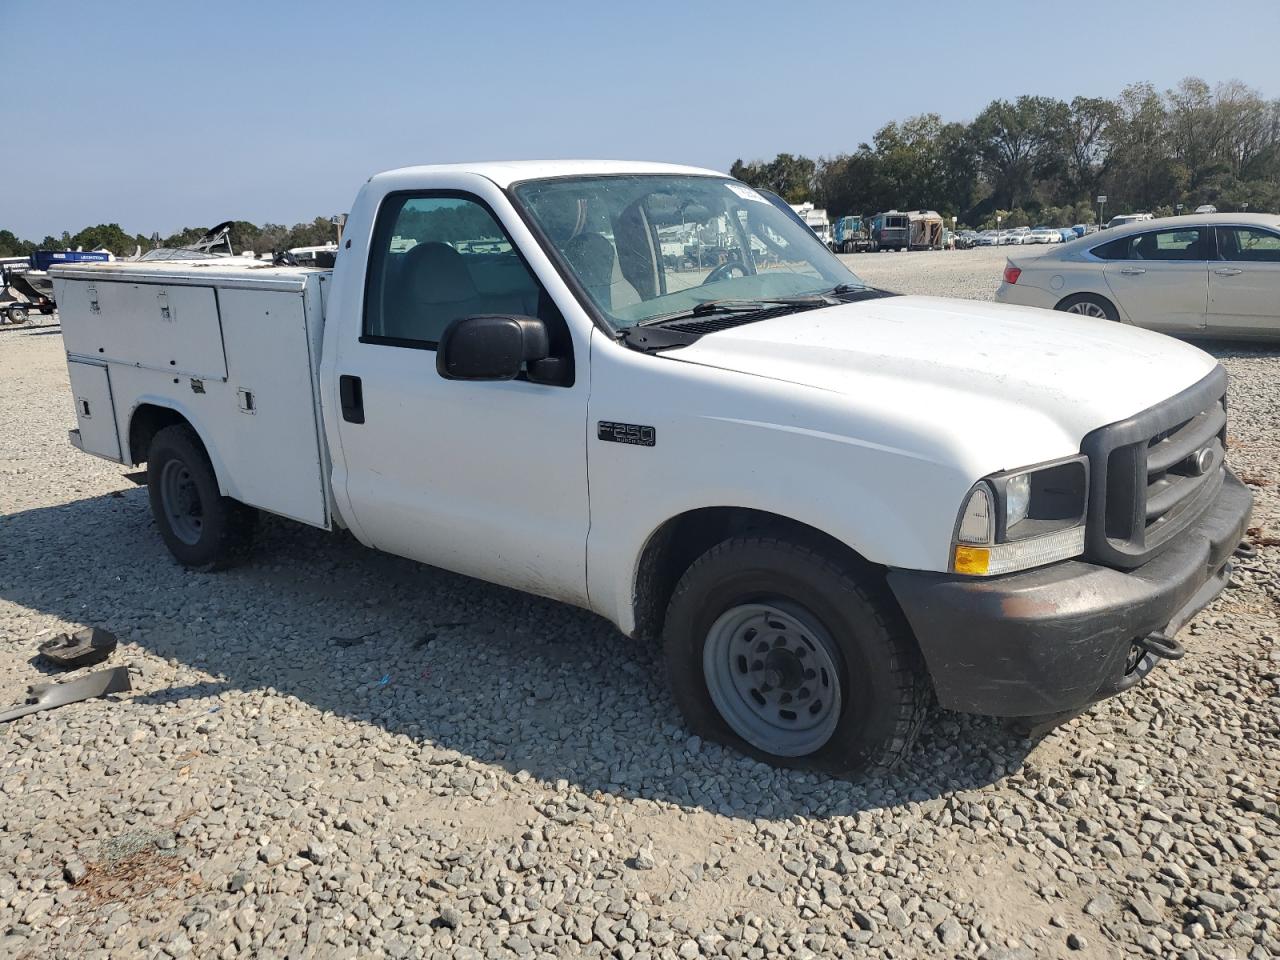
pixel 336 753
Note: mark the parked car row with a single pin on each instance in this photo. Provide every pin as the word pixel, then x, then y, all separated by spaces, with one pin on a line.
pixel 1213 275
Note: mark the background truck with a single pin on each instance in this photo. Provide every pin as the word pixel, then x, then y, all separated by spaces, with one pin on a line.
pixel 890 231
pixel 852 234
pixel 834 505
pixel 817 220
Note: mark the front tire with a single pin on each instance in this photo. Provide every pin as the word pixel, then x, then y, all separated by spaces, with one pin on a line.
pixel 1089 305
pixel 777 650
pixel 202 529
pixel 18 315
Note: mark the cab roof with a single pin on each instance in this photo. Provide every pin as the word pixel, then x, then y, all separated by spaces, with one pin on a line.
pixel 506 172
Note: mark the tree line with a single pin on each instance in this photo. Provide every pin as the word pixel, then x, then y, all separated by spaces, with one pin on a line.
pixel 268 238
pixel 1039 159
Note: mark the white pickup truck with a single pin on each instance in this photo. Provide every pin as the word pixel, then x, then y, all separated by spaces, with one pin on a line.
pixel 834 504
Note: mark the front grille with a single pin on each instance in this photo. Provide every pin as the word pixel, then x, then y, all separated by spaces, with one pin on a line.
pixel 1152 476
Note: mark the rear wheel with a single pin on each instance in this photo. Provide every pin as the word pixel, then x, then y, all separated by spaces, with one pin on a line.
pixel 1089 305
pixel 777 650
pixel 202 529
pixel 17 314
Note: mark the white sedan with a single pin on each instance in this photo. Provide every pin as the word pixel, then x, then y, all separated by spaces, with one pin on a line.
pixel 1210 275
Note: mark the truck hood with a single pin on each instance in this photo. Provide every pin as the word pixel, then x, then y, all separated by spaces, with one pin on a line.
pixel 954 368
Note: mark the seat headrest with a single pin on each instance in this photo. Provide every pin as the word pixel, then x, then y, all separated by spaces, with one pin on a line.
pixel 436 273
pixel 592 256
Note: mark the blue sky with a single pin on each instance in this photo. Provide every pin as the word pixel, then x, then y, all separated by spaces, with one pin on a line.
pixel 278 111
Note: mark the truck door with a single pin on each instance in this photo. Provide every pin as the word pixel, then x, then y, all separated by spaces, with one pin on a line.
pixel 485 478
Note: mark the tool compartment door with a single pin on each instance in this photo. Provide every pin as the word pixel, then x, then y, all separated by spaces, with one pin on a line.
pixel 266 426
pixel 95 409
pixel 157 326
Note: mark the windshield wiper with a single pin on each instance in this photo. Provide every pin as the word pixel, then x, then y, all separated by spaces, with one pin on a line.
pixel 708 307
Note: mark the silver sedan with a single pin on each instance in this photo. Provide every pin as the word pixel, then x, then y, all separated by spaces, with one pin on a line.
pixel 1208 275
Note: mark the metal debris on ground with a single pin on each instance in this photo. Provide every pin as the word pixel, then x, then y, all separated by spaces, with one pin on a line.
pixel 48 696
pixel 83 648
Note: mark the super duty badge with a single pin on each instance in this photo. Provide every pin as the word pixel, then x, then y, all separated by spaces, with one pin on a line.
pixel 633 433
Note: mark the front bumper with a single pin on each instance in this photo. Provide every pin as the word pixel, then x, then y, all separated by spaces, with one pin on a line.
pixel 1056 639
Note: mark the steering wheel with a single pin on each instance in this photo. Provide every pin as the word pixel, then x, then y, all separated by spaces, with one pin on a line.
pixel 725 270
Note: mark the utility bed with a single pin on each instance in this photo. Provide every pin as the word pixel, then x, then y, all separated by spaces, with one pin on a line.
pixel 233 345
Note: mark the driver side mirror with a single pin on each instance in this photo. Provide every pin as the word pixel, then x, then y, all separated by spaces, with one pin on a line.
pixel 489 347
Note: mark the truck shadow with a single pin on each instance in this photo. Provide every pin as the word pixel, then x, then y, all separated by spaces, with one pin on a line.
pixel 496 675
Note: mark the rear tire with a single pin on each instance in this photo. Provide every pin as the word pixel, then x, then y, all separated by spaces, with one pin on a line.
pixel 18 315
pixel 1089 305
pixel 780 652
pixel 202 529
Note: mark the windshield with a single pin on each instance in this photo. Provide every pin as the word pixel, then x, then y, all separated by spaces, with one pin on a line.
pixel 650 246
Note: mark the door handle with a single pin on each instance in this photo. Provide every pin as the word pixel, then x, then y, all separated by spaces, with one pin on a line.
pixel 1227 271
pixel 351 396
pixel 1132 271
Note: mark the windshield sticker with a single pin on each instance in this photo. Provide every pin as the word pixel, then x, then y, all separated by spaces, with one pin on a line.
pixel 745 192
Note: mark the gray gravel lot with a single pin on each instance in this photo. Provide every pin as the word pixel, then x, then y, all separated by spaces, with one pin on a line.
pixel 336 753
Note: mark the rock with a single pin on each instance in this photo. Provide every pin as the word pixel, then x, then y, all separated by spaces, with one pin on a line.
pixel 643 859
pixel 1218 902
pixel 318 853
pixel 450 916
pixel 74 871
pixel 950 932
pixel 1100 906
pixel 36 909
pixel 271 855
pixel 1144 911
pixel 1076 942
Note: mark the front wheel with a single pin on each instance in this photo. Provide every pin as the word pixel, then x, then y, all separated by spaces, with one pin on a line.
pixel 17 314
pixel 775 649
pixel 202 529
pixel 1089 305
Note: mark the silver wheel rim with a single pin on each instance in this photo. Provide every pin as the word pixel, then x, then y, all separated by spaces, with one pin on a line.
pixel 181 501
pixel 1087 308
pixel 772 675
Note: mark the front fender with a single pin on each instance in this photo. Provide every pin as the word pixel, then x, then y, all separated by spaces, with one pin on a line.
pixel 720 441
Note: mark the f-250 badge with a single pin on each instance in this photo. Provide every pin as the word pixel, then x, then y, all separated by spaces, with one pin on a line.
pixel 633 433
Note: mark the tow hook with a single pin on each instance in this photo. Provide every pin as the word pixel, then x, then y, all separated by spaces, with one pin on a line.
pixel 1159 645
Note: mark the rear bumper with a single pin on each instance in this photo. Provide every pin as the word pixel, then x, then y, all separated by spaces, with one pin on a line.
pixel 1024 294
pixel 1056 639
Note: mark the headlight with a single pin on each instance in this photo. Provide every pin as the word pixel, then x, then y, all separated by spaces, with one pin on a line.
pixel 1017 498
pixel 1022 518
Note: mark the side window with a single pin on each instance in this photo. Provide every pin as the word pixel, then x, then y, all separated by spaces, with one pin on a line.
pixel 1168 245
pixel 1248 244
pixel 1182 244
pixel 1115 250
pixel 437 258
